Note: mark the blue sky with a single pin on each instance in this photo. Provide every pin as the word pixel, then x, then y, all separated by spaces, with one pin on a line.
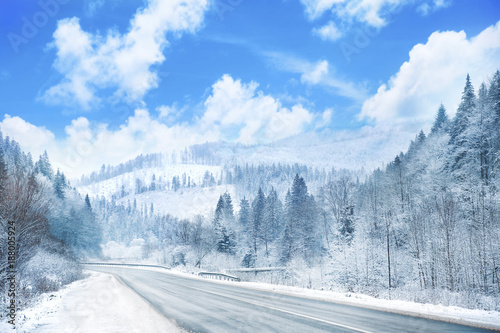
pixel 104 80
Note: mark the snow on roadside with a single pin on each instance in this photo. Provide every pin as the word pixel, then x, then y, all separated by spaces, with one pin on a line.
pixel 99 303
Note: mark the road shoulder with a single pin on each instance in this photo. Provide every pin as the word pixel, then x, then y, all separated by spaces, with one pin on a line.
pixel 99 303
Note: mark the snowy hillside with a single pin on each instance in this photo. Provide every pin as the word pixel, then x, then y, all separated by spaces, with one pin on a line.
pixel 367 149
pixel 151 178
pixel 186 203
pixel 163 176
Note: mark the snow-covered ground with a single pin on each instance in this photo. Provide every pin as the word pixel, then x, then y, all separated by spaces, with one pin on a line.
pixel 185 203
pixel 111 186
pixel 99 303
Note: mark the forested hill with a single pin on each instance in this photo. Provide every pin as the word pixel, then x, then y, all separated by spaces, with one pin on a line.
pixel 45 225
pixel 424 228
pixel 325 150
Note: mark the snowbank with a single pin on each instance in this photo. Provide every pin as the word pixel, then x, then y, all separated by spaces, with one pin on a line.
pixel 100 303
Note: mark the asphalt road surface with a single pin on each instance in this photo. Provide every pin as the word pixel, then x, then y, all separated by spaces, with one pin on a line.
pixel 204 306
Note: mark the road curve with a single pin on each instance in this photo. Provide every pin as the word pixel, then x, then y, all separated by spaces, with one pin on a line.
pixel 204 306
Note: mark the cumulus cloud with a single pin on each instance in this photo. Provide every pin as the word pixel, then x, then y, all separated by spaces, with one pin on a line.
pixel 371 12
pixel 328 32
pixel 428 7
pixel 239 113
pixel 435 73
pixel 123 63
pixel 375 13
pixel 37 139
pixel 316 74
pixel 233 112
pixel 316 8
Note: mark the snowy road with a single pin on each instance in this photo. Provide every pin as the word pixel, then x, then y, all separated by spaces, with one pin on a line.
pixel 203 306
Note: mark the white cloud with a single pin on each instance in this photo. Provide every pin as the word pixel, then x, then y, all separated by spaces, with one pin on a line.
pixel 239 113
pixel 328 32
pixel 316 8
pixel 123 63
pixel 426 8
pixel 318 73
pixel 371 12
pixel 166 111
pixel 375 13
pixel 234 112
pixel 92 6
pixel 435 73
pixel 326 119
pixel 35 138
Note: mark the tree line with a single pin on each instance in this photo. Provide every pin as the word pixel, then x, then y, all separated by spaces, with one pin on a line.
pixel 51 226
pixel 423 228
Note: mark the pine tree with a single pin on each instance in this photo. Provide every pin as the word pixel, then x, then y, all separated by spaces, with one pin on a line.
pixel 228 208
pixel 494 105
pixel 421 137
pixel 87 203
pixel 59 185
pixel 274 211
pixel 244 214
pixel 219 213
pixel 481 134
pixel 153 183
pixel 441 123
pixel 43 166
pixel 271 225
pixel 494 96
pixel 258 206
pixel 287 239
pixel 464 112
pixel 176 183
pixel 225 238
pixel 458 137
pixel 299 235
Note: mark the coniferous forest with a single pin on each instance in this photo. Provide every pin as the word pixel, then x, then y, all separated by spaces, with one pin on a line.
pixel 424 227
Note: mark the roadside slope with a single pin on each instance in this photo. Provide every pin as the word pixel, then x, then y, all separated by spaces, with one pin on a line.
pixel 99 303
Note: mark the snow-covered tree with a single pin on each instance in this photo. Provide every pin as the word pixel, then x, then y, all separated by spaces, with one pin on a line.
pixel 441 122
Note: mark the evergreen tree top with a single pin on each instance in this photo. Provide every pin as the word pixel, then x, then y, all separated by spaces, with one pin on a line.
pixel 87 202
pixel 421 137
pixel 464 112
pixel 441 122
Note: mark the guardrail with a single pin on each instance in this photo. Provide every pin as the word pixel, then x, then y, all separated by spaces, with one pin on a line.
pixel 126 265
pixel 209 275
pixel 218 276
pixel 256 269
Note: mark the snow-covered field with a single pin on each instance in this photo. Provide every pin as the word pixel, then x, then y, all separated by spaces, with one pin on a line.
pixel 185 203
pixel 99 303
pixel 111 186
